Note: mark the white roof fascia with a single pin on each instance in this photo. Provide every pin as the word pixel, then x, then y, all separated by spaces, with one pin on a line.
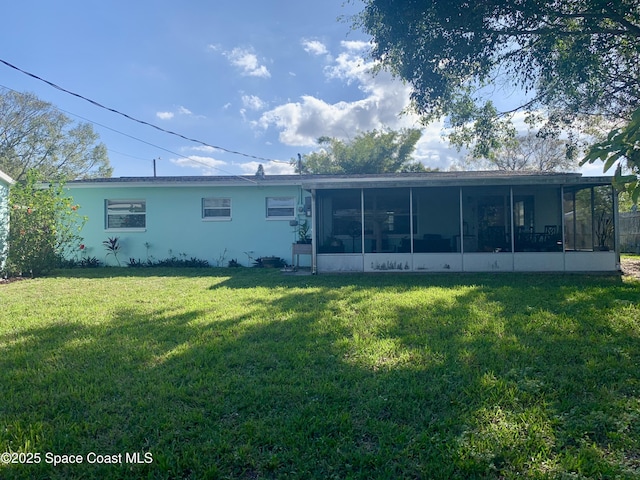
pixel 173 184
pixel 6 178
pixel 453 181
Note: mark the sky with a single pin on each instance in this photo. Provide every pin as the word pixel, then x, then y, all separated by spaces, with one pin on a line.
pixel 246 82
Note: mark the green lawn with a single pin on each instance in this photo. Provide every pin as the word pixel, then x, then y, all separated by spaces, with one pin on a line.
pixel 244 373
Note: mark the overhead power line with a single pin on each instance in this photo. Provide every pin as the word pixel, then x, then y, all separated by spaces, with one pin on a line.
pixel 129 117
pixel 191 159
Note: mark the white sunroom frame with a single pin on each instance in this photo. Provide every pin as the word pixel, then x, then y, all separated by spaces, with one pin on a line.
pixel 463 261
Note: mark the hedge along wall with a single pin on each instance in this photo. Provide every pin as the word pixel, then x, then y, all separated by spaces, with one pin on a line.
pixel 629 232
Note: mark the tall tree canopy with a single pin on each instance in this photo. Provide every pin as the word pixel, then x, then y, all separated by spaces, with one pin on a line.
pixel 571 58
pixel 574 56
pixel 35 135
pixel 528 152
pixel 369 152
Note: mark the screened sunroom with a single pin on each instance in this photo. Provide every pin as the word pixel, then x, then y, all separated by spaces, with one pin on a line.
pixel 463 221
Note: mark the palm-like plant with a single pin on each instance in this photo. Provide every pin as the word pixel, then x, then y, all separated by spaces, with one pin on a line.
pixel 112 244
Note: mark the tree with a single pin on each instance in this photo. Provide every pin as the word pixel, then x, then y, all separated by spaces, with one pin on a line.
pixel 579 56
pixel 572 58
pixel 369 152
pixel 622 147
pixel 35 135
pixel 45 226
pixel 530 152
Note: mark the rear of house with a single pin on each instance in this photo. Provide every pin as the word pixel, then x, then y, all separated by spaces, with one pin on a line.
pixel 5 182
pixel 415 222
pixel 217 219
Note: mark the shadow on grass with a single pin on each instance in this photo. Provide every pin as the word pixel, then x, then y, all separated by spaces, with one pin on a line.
pixel 338 377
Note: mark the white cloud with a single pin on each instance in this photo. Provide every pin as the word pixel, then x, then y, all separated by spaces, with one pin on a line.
pixel 204 148
pixel 435 152
pixel 270 168
pixel 169 115
pixel 350 67
pixel 383 98
pixel 314 47
pixel 208 165
pixel 355 45
pixel 253 102
pixel 301 123
pixel 247 62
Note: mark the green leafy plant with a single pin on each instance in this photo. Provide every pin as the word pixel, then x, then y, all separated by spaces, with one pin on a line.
pixel 269 262
pixel 147 247
pixel 221 258
pixel 303 232
pixel 136 263
pixel 90 262
pixel 112 244
pixel 180 261
pixel 621 148
pixel 45 226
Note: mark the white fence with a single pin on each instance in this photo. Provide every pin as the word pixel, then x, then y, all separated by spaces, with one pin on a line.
pixel 629 229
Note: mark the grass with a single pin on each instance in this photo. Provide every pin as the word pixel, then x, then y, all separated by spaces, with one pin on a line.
pixel 244 373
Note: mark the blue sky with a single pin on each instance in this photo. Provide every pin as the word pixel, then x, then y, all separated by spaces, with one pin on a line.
pixel 265 79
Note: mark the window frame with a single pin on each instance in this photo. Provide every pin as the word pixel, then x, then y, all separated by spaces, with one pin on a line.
pixel 292 207
pixel 109 201
pixel 221 218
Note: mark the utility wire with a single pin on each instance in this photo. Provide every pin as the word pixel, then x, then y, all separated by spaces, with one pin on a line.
pixel 129 117
pixel 193 160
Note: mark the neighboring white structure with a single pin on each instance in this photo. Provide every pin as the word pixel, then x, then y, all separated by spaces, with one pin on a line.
pixel 5 182
pixel 413 222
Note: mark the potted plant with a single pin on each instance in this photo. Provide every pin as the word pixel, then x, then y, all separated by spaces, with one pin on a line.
pixel 303 232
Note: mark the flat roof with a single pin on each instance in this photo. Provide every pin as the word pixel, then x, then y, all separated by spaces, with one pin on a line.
pixel 310 182
pixel 182 181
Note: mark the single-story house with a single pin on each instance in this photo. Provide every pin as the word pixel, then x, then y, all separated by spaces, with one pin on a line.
pixel 5 182
pixel 412 222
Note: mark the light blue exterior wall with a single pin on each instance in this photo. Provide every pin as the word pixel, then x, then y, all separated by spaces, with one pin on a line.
pixel 5 181
pixel 174 223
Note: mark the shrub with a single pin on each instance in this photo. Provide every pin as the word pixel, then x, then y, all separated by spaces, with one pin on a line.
pixel 45 226
pixel 269 262
pixel 169 262
pixel 138 263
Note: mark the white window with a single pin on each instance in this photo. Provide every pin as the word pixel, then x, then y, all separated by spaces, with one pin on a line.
pixel 216 208
pixel 125 214
pixel 283 208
